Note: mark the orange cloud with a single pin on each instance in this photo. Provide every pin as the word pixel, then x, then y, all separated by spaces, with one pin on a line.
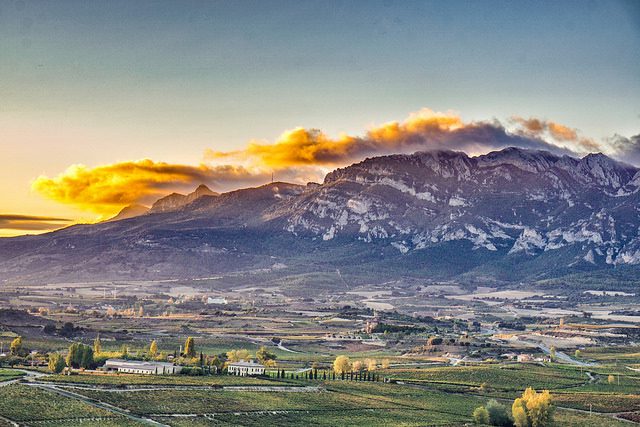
pixel 106 189
pixel 302 146
pixel 423 130
pixel 299 155
pixel 15 224
pixel 565 136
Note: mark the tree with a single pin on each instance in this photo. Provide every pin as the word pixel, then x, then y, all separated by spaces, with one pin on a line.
pixel 238 355
pixel 434 341
pixel 341 365
pixel 141 312
pixel 56 363
pixel 498 414
pixel 533 409
pixel 481 415
pixel 611 379
pixel 519 413
pixel 385 364
pixel 577 354
pixel 87 357
pixel 153 349
pixel 97 345
pixel 552 354
pixel 265 356
pixel 16 346
pixel 79 356
pixel 125 351
pixel 357 366
pixel 72 355
pixel 190 347
pixel 372 364
pixel 67 329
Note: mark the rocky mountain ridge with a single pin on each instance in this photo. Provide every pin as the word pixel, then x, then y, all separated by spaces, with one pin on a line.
pixel 509 215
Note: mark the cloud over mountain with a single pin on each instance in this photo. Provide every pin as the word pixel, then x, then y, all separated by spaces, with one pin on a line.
pixel 422 130
pixel 300 155
pixel 626 149
pixel 105 189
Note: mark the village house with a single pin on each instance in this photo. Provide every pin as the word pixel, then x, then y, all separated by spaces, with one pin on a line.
pixel 525 358
pixel 244 368
pixel 141 367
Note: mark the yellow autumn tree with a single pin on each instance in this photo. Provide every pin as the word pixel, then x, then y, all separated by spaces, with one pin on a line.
pixel 372 364
pixel 533 409
pixel 238 355
pixel 153 349
pixel 341 365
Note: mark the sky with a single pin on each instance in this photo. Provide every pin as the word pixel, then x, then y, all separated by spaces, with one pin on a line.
pixel 104 104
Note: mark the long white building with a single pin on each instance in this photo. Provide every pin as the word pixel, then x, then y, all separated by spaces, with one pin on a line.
pixel 141 367
pixel 243 368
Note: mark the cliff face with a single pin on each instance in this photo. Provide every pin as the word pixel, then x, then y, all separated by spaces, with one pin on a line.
pixel 510 215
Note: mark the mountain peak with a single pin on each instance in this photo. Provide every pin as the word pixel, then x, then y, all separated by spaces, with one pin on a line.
pixel 130 211
pixel 202 188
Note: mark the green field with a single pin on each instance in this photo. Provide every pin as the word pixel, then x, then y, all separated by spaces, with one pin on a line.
pixel 438 396
pixel 130 379
pixel 23 403
pixel 10 374
pixel 494 377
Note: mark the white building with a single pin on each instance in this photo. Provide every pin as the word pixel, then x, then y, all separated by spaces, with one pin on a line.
pixel 217 300
pixel 243 368
pixel 141 367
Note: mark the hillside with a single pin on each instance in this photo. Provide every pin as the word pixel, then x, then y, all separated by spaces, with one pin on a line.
pixel 508 216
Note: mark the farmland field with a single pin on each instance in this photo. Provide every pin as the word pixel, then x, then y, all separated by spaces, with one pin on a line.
pixel 498 377
pixel 24 403
pixel 10 374
pixel 130 379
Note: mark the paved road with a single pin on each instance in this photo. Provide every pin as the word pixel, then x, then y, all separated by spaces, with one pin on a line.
pixel 564 357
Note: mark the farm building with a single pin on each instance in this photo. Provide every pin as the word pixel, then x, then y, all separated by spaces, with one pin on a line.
pixel 243 368
pixel 525 358
pixel 141 367
pixel 217 300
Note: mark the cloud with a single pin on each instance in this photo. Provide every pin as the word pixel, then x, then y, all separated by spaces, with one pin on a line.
pixel 564 136
pixel 626 149
pixel 301 155
pixel 423 130
pixel 30 222
pixel 106 189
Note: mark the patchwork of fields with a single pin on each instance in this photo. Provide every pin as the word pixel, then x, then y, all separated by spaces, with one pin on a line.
pixel 439 396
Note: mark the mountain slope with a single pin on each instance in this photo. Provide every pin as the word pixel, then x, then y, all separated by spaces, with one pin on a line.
pixel 175 201
pixel 509 215
pixel 130 212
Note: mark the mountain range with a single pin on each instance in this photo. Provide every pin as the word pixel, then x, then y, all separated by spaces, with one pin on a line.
pixel 508 216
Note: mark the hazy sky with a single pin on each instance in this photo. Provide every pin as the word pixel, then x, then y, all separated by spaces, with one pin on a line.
pixel 106 82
